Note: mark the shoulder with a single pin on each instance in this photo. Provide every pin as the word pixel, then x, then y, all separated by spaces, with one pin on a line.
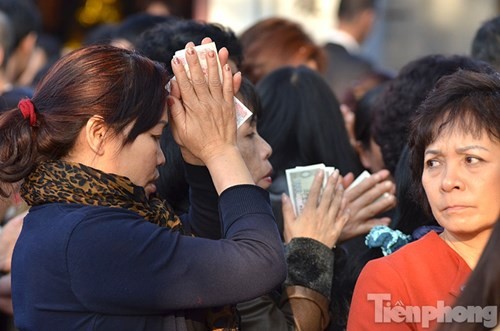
pixel 415 254
pixel 413 263
pixel 56 219
pixel 335 49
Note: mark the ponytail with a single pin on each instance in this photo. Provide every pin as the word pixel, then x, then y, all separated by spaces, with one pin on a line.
pixel 17 148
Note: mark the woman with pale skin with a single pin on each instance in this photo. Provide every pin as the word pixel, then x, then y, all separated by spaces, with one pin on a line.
pixel 455 157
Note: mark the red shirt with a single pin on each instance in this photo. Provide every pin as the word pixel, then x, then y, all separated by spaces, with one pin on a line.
pixel 410 289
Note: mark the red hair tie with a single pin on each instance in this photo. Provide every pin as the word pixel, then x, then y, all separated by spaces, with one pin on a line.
pixel 28 110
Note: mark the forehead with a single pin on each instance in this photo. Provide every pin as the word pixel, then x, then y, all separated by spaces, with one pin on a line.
pixel 453 136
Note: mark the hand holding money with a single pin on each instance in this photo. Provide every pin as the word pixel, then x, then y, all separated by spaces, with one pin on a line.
pixel 300 180
pixel 201 106
pixel 242 112
pixel 323 214
pixel 202 118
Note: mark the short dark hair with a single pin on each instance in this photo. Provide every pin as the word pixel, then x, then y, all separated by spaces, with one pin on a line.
pixel 486 43
pixel 468 101
pixel 348 9
pixel 161 42
pixel 395 107
pixel 121 86
pixel 134 25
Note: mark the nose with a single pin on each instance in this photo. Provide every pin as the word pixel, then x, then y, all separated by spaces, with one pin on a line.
pixel 160 156
pixel 266 149
pixel 451 178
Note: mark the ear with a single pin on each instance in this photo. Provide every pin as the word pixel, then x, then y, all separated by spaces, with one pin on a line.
pixel 364 155
pixel 95 130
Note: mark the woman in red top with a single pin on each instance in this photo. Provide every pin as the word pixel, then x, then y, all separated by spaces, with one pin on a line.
pixel 455 157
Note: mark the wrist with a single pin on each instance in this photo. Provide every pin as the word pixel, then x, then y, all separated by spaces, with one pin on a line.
pixel 188 157
pixel 227 168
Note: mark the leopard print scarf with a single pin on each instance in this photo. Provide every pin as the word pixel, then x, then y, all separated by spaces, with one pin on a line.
pixel 67 182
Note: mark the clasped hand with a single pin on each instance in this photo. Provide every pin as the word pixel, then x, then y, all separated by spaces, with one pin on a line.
pixel 201 109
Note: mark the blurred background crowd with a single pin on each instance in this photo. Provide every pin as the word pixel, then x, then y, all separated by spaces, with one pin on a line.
pixel 401 46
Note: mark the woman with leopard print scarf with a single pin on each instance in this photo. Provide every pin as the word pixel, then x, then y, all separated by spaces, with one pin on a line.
pixel 98 250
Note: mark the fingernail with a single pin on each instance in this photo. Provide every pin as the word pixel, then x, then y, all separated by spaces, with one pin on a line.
pixel 170 101
pixel 175 60
pixel 190 50
pixel 227 67
pixel 211 53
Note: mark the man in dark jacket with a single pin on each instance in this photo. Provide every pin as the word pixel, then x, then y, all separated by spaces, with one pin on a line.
pixel 355 20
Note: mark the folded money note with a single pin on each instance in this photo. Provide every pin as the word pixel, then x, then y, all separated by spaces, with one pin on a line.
pixel 364 175
pixel 242 112
pixel 299 181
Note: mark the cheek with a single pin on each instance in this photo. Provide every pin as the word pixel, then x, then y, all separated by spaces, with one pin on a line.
pixel 429 188
pixel 245 154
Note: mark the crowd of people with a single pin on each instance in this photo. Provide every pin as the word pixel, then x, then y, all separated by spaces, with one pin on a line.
pixel 131 200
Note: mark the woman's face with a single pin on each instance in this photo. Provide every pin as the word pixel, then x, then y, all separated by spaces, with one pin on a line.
pixel 255 152
pixel 461 179
pixel 139 160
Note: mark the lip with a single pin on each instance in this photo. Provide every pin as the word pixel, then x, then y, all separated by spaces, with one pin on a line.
pixel 268 179
pixel 268 176
pixel 455 208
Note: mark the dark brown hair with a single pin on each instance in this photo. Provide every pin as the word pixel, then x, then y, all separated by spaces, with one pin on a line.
pixel 466 101
pixel 119 85
pixel 275 42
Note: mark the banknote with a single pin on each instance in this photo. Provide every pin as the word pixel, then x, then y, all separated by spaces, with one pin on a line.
pixel 202 51
pixel 242 112
pixel 299 182
pixel 364 175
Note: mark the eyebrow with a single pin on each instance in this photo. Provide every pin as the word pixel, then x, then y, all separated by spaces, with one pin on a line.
pixel 460 150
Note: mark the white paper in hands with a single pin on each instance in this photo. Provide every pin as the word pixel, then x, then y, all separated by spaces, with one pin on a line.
pixel 364 175
pixel 242 112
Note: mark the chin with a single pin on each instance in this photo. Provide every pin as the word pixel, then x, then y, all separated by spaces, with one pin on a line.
pixel 263 184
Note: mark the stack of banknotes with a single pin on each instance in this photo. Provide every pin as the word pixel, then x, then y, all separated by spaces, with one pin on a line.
pixel 300 179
